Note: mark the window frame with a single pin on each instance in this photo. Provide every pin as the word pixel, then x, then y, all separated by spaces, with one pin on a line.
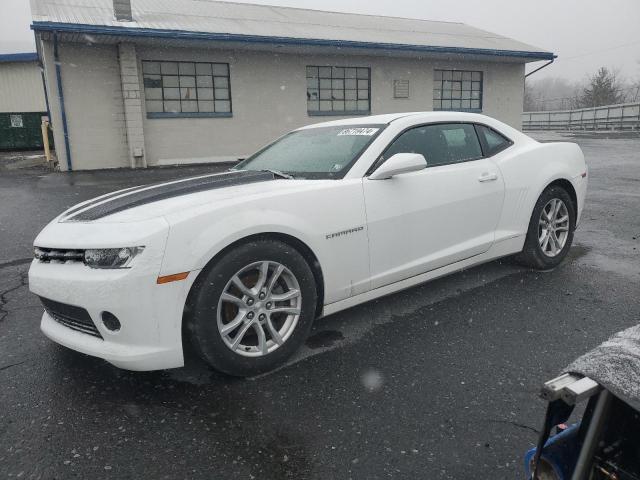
pixel 483 148
pixel 159 115
pixel 471 109
pixel 338 113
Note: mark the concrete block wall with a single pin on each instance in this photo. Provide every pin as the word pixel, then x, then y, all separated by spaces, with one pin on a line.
pixel 132 100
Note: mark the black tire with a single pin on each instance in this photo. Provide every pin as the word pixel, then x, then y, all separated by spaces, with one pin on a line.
pixel 532 254
pixel 201 319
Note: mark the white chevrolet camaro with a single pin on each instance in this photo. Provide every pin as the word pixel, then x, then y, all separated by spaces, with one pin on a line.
pixel 239 264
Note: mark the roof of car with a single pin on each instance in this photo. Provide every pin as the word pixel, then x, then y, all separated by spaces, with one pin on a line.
pixel 387 118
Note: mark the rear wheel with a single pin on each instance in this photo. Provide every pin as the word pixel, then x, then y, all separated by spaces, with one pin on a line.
pixel 550 232
pixel 253 308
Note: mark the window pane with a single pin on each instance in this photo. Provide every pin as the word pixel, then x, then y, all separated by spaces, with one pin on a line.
pixel 363 73
pixel 325 94
pixel 313 94
pixel 338 94
pixel 312 72
pixel 187 68
pixel 350 72
pixel 190 106
pixel 466 75
pixel 351 83
pixel 338 106
pixel 351 105
pixel 363 84
pixel 494 141
pixel 204 81
pixel 456 75
pixel 363 94
pixel 338 72
pixel 203 69
pixel 312 83
pixel 152 81
pixel 151 67
pixel 170 81
pixel 153 93
pixel 221 69
pixel 462 141
pixel 437 75
pixel 325 72
pixel 325 106
pixel 205 94
pixel 324 83
pixel 455 104
pixel 363 105
pixel 154 106
pixel 437 104
pixel 338 84
pixel 223 106
pixel 221 82
pixel 187 81
pixel 172 106
pixel 169 68
pixel 475 104
pixel 171 93
pixel 222 94
pixel 205 106
pixel 351 94
pixel 188 94
pixel 476 76
pixel 313 106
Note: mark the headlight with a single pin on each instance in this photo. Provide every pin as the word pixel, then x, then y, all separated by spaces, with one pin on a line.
pixel 111 257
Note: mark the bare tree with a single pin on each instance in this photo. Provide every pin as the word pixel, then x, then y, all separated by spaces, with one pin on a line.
pixel 603 89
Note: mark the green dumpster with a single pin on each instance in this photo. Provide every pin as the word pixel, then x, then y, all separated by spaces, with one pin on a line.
pixel 22 131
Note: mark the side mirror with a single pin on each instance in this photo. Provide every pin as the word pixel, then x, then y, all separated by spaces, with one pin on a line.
pixel 398 164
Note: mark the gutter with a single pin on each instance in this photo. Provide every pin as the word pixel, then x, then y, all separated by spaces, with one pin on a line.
pixel 56 27
pixel 63 111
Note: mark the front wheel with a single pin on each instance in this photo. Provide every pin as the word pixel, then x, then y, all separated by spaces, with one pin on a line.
pixel 550 232
pixel 252 308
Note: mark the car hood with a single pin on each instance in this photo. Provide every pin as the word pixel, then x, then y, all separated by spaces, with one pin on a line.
pixel 157 200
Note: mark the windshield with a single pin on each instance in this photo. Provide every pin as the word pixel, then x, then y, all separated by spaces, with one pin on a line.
pixel 323 152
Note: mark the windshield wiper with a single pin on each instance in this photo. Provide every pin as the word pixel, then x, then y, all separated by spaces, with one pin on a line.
pixel 278 173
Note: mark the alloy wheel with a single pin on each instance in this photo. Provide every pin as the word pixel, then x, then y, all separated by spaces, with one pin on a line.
pixel 259 309
pixel 553 227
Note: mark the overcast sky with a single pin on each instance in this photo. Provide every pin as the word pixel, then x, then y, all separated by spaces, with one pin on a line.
pixel 586 34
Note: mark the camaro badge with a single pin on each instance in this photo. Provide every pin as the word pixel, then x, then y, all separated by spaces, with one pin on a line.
pixel 344 232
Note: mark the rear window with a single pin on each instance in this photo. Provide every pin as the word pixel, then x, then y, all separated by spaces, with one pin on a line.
pixel 494 142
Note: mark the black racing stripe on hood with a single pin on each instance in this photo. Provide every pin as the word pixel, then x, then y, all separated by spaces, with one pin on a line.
pixel 165 191
pixel 103 198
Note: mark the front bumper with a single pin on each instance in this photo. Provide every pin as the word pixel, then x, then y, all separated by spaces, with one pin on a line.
pixel 150 336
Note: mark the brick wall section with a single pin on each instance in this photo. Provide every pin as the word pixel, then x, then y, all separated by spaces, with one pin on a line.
pixel 132 103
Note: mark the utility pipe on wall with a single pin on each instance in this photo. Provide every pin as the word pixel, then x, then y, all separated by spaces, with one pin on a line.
pixel 63 111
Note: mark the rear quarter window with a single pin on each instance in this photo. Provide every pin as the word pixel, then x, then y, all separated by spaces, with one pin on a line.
pixel 493 142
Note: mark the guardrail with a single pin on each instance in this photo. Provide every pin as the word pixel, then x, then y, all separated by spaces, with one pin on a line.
pixel 611 117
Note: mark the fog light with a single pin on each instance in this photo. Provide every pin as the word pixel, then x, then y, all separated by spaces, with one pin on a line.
pixel 110 321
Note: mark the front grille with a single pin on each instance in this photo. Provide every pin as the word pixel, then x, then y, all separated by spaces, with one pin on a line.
pixel 76 318
pixel 58 255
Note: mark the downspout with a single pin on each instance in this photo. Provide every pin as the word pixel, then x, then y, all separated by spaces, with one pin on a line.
pixel 63 112
pixel 540 68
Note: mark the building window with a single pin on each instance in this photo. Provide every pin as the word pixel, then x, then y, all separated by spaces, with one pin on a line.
pixel 186 89
pixel 457 90
pixel 338 90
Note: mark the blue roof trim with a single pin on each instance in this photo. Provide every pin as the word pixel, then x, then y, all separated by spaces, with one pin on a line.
pixel 230 37
pixel 18 57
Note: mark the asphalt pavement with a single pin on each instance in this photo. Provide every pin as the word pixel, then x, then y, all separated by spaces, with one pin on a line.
pixel 436 382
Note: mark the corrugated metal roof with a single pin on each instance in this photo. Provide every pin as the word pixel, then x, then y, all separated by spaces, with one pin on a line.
pixel 239 20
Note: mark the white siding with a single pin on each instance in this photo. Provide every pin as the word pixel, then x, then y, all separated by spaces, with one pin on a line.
pixel 21 88
pixel 269 98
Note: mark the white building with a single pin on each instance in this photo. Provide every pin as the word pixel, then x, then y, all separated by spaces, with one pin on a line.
pixel 142 82
pixel 22 102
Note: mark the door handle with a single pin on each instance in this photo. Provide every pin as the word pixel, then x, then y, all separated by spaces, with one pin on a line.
pixel 488 177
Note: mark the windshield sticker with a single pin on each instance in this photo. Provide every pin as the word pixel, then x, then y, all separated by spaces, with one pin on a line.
pixel 365 132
